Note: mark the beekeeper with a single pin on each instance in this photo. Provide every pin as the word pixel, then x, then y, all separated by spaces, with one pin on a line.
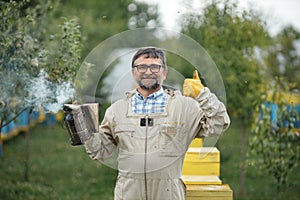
pixel 152 128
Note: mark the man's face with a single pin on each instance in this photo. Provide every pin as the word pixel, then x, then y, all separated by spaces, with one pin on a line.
pixel 149 80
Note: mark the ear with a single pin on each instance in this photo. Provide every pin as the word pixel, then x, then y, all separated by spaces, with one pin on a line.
pixel 165 72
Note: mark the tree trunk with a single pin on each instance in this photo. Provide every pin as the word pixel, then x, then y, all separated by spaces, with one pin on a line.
pixel 2 145
pixel 243 156
pixel 277 191
pixel 2 124
pixel 26 156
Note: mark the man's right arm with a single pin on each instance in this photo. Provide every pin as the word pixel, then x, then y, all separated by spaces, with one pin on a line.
pixel 98 142
pixel 101 145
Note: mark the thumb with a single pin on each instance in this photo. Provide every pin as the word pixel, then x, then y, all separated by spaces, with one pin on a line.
pixel 195 75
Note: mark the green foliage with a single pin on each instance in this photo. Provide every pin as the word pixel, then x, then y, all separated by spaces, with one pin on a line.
pixel 282 58
pixel 40 45
pixel 275 142
pixel 17 48
pixel 231 38
pixel 179 64
pixel 67 59
pixel 260 185
pixel 100 20
pixel 29 49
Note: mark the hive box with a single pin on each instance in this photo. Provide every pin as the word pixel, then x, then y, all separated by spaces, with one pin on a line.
pixel 208 192
pixel 202 161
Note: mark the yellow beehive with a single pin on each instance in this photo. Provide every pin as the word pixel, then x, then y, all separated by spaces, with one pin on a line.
pixel 197 142
pixel 202 161
pixel 201 171
pixel 208 192
pixel 201 180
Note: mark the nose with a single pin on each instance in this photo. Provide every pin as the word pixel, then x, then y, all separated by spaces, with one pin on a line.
pixel 148 71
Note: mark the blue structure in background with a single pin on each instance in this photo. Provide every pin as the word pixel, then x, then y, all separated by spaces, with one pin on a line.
pixel 297 124
pixel 23 122
pixel 273 113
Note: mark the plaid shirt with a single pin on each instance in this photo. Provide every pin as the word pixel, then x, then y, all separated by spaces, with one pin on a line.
pixel 154 103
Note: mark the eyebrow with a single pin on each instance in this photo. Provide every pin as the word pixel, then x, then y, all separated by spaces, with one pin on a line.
pixel 160 63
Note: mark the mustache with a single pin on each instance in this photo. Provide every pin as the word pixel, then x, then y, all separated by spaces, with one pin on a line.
pixel 148 76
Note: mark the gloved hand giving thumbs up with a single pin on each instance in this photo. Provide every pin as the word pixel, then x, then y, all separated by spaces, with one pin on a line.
pixel 192 87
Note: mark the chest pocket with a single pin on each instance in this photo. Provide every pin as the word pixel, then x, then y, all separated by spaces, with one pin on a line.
pixel 126 138
pixel 172 140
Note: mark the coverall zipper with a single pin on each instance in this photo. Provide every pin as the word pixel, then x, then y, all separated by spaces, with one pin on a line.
pixel 145 157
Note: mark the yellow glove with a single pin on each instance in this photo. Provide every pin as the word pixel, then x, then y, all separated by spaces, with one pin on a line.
pixel 192 86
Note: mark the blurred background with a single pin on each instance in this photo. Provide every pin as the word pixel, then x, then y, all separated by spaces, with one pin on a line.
pixel 255 46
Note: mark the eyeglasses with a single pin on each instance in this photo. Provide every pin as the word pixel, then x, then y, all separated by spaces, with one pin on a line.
pixel 142 68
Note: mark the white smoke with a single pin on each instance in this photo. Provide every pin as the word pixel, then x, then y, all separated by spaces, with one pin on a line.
pixel 50 96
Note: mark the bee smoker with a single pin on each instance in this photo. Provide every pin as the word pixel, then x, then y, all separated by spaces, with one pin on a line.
pixel 69 123
pixel 80 122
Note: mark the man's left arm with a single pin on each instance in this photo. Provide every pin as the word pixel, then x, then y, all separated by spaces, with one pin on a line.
pixel 215 119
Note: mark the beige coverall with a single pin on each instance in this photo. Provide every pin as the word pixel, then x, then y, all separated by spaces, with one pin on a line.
pixel 150 157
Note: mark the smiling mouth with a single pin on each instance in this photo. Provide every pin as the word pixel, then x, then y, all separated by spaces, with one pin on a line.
pixel 148 78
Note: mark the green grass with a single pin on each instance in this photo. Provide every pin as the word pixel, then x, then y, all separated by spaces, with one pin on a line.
pixel 58 170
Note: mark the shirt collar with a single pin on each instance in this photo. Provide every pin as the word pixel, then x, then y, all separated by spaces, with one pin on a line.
pixel 152 96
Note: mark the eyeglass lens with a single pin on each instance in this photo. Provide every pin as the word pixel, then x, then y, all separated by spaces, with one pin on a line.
pixel 143 68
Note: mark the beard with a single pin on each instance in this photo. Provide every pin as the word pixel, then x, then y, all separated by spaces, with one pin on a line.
pixel 149 87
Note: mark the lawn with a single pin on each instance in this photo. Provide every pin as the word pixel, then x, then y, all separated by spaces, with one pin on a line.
pixel 58 170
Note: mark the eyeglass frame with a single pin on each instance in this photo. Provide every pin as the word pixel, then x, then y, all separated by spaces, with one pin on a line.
pixel 148 67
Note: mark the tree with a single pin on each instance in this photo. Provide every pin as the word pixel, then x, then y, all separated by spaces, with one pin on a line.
pixel 232 37
pixel 101 20
pixel 282 59
pixel 36 66
pixel 30 52
pixel 274 140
